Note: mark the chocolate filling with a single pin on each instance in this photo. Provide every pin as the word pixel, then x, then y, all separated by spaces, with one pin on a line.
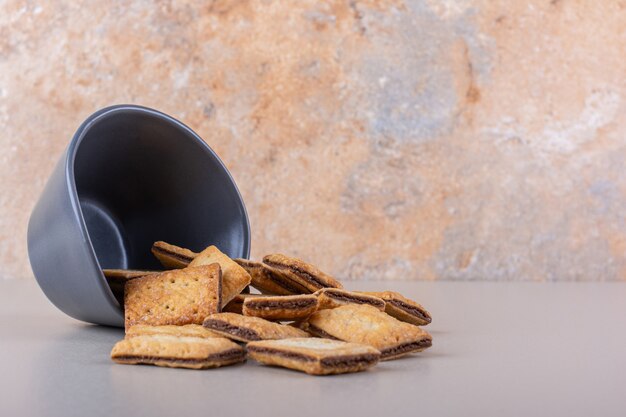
pixel 292 304
pixel 415 311
pixel 222 326
pixel 289 355
pixel 222 356
pixel 336 361
pixel 257 269
pixel 350 360
pixel 177 256
pixel 306 275
pixel 281 281
pixel 316 331
pixel 354 299
pixel 406 347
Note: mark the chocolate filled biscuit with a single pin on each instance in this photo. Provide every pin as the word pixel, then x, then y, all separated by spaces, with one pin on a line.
pixel 314 356
pixel 268 280
pixel 177 352
pixel 403 308
pixel 172 256
pixel 301 274
pixel 249 329
pixel 365 324
pixel 280 307
pixel 336 297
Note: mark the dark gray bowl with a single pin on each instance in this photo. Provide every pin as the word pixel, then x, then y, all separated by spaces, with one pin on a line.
pixel 129 177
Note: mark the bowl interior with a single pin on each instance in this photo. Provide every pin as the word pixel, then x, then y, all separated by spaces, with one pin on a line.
pixel 141 177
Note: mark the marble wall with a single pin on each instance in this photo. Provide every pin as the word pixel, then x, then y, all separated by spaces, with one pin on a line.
pixel 421 139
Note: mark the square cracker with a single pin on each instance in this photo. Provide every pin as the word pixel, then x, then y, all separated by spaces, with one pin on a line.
pixel 177 352
pixel 181 296
pixel 335 297
pixel 234 277
pixel 172 256
pixel 187 330
pixel 249 329
pixel 366 325
pixel 280 307
pixel 402 308
pixel 314 356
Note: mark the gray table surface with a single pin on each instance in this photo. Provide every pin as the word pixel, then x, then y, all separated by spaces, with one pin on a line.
pixel 500 349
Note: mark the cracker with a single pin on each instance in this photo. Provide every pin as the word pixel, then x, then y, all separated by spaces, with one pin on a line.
pixel 280 307
pixel 314 356
pixel 177 352
pixel 402 308
pixel 181 296
pixel 301 273
pixel 172 256
pixel 367 325
pixel 234 277
pixel 188 330
pixel 335 297
pixel 268 280
pixel 249 329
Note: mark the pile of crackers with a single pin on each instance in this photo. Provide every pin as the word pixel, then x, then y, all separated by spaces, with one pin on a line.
pixel 200 314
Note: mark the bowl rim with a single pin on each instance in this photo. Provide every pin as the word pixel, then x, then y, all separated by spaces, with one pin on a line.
pixel 70 180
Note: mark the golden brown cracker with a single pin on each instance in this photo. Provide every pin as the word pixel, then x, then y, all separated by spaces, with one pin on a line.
pixel 182 296
pixel 234 277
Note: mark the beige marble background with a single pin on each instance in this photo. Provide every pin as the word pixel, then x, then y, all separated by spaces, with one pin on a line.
pixel 425 139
